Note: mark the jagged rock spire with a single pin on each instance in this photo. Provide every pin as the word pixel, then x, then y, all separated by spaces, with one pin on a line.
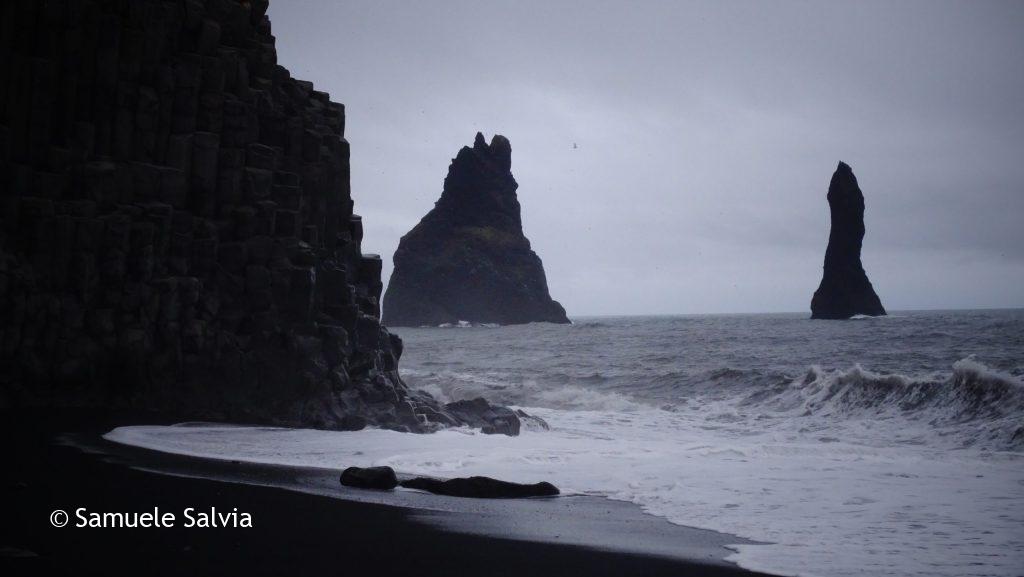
pixel 468 259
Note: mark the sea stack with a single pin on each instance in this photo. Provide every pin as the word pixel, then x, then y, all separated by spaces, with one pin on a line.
pixel 468 259
pixel 845 290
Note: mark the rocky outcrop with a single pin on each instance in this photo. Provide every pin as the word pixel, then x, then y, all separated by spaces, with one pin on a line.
pixel 468 259
pixel 845 290
pixel 490 419
pixel 481 488
pixel 532 422
pixel 177 229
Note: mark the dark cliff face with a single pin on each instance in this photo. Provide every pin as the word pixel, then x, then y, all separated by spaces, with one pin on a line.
pixel 177 229
pixel 845 290
pixel 468 260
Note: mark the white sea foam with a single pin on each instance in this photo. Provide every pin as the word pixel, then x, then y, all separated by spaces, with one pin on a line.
pixel 971 406
pixel 827 506
pixel 861 448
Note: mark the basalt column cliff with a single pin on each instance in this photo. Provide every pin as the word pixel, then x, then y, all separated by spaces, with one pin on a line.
pixel 177 229
pixel 468 260
pixel 845 290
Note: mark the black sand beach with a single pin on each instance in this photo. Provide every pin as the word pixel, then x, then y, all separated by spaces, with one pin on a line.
pixel 292 534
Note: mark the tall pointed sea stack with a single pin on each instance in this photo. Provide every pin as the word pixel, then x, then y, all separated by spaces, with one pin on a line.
pixel 468 260
pixel 845 290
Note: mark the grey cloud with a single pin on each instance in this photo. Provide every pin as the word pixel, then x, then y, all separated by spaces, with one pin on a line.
pixel 707 133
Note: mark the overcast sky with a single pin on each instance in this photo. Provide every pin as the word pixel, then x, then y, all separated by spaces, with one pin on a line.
pixel 707 133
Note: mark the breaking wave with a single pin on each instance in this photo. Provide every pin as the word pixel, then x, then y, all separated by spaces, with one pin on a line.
pixel 971 406
pixel 981 406
pixel 855 448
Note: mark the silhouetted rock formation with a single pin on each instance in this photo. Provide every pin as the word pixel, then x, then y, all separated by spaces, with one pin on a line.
pixel 176 230
pixel 481 488
pixel 845 290
pixel 468 260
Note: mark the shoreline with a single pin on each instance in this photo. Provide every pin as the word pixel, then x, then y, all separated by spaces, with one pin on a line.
pixel 304 518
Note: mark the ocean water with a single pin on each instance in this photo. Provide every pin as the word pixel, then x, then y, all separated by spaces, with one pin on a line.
pixel 875 446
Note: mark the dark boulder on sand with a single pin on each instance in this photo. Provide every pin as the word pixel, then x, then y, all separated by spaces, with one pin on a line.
pixel 845 290
pixel 385 479
pixel 381 478
pixel 481 488
pixel 468 259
